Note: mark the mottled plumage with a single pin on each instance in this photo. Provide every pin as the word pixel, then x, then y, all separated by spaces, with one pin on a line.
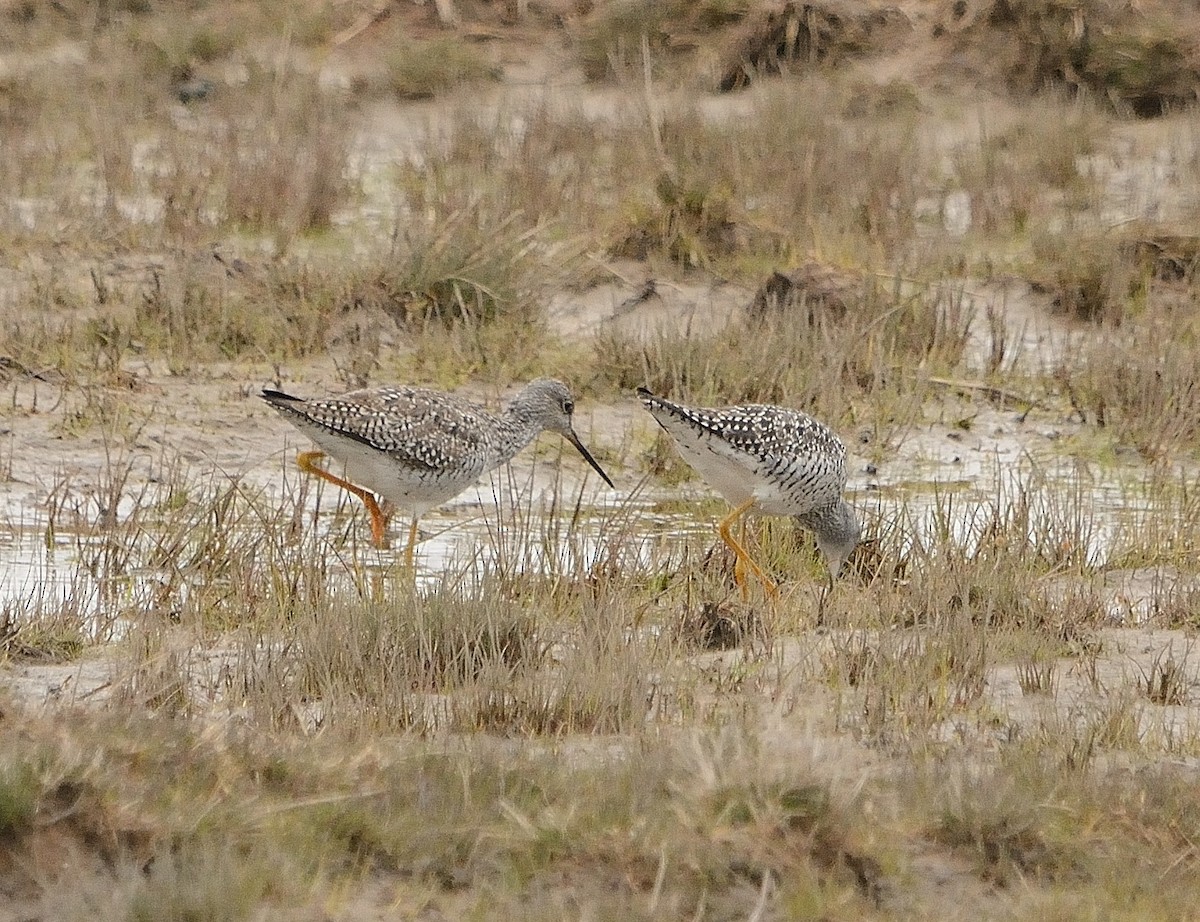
pixel 767 459
pixel 419 448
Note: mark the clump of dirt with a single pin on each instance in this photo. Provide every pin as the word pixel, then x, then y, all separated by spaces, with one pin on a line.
pixel 1168 257
pixel 1143 59
pixel 796 34
pixel 722 626
pixel 814 289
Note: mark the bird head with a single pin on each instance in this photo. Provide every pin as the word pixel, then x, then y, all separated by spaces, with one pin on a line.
pixel 838 536
pixel 550 404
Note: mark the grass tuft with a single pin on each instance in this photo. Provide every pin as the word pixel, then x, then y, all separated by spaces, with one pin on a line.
pixel 19 794
pixel 1142 62
pixel 610 42
pixel 424 69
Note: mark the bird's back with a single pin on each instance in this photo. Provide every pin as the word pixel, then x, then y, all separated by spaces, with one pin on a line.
pixel 788 461
pixel 419 428
pixel 416 447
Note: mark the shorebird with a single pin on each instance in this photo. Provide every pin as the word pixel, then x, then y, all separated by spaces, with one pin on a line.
pixel 419 448
pixel 770 460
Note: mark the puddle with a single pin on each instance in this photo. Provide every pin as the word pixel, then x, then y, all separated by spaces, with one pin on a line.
pixel 100 577
pixel 38 587
pixel 537 520
pixel 534 519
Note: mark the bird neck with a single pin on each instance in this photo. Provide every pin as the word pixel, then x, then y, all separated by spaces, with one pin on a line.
pixel 836 521
pixel 836 528
pixel 516 427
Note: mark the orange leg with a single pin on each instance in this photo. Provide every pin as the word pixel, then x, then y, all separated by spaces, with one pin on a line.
pixel 743 560
pixel 739 566
pixel 410 551
pixel 307 462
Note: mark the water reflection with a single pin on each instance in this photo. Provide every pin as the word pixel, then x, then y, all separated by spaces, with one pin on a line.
pixel 96 580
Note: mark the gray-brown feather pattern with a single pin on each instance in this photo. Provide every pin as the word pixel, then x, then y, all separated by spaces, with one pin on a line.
pixel 800 454
pixel 419 428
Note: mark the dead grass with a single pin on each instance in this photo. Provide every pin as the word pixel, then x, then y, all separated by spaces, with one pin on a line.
pixel 317 692
pixel 613 40
pixel 334 818
pixel 266 154
pixel 578 714
pixel 502 204
pixel 695 190
pixel 654 832
pixel 423 69
pixel 1017 173
pixel 792 36
pixel 1140 381
pixel 826 364
pixel 1142 60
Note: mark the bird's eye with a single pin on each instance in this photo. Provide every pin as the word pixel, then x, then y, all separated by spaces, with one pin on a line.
pixel 568 407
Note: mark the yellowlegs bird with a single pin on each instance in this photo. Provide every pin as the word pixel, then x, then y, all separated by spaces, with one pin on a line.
pixel 771 460
pixel 418 448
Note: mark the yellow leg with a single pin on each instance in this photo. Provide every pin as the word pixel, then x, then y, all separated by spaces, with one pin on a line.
pixel 739 563
pixel 410 551
pixel 307 462
pixel 743 560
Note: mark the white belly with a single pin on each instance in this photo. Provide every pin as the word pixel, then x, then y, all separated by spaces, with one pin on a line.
pixel 413 490
pixel 724 475
pixel 734 477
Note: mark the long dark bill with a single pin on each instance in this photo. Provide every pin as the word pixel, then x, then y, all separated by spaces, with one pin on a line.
pixel 587 456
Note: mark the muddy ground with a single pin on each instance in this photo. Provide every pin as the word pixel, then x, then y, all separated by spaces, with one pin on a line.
pixel 209 421
pixel 206 423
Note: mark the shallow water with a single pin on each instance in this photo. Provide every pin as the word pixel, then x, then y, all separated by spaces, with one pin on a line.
pixel 102 577
pixel 104 572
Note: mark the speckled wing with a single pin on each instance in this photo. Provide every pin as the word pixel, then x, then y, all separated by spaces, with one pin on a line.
pixel 423 430
pixel 767 432
pixel 792 461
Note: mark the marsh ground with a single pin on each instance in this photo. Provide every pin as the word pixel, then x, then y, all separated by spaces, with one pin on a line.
pixel 219 701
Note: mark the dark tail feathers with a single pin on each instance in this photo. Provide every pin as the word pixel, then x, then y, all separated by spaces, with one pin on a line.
pixel 278 398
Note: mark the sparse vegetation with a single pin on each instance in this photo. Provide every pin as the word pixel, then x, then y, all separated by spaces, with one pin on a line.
pixel 1140 60
pixel 621 39
pixel 796 35
pixel 216 701
pixel 423 69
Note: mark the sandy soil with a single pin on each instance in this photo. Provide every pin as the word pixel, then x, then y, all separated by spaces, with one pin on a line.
pixel 211 422
pixel 56 464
